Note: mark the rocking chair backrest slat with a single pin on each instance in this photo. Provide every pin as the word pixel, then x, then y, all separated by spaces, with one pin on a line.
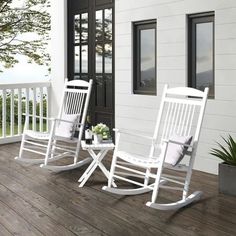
pixel 74 99
pixel 181 113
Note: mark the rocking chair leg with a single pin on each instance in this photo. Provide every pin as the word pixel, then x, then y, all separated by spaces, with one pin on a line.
pixel 53 148
pixel 23 138
pixel 49 148
pixel 112 170
pixel 22 146
pixel 146 178
pixel 188 178
pixel 78 145
pixel 156 185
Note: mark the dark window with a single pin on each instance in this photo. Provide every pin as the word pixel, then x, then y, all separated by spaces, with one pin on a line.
pixel 144 57
pixel 201 52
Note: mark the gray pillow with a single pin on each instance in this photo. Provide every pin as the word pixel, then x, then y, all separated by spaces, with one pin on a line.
pixel 176 152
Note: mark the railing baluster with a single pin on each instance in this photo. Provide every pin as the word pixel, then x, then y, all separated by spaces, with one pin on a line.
pixel 47 107
pixel 4 113
pixel 19 111
pixel 12 113
pixel 29 97
pixel 41 110
pixel 34 109
pixel 27 104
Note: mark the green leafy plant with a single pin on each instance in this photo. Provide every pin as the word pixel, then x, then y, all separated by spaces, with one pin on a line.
pixel 228 153
pixel 101 129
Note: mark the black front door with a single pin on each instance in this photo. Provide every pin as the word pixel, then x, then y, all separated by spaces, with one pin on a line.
pixel 91 54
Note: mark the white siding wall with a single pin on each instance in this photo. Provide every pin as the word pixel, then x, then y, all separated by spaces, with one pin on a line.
pixel 137 112
pixel 58 53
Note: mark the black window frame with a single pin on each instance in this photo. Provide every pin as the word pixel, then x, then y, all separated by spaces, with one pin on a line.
pixel 193 20
pixel 137 27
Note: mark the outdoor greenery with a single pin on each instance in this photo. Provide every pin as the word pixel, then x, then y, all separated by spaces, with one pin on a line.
pixel 228 153
pixel 23 110
pixel 23 103
pixel 20 19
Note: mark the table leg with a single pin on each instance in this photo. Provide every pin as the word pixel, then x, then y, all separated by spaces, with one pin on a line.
pixel 106 173
pixel 97 159
pixel 87 171
pixel 93 155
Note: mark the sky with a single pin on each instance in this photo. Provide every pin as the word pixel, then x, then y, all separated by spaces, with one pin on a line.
pixel 23 71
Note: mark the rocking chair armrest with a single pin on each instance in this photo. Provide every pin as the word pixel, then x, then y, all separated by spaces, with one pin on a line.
pixel 67 121
pixel 49 118
pixel 133 134
pixel 40 117
pixel 179 143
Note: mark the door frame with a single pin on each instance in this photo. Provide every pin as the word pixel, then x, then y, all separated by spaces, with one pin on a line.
pixel 89 6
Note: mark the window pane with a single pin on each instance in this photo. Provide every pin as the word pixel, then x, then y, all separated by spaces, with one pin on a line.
pixel 77 28
pixel 108 57
pixel 108 24
pixel 99 58
pixel 204 56
pixel 84 59
pixel 84 27
pixel 99 28
pixel 77 59
pixel 147 58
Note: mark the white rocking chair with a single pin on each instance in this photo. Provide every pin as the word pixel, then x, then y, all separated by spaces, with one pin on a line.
pixel 176 136
pixel 60 142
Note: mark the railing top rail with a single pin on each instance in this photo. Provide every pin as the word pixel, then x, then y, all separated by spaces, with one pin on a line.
pixel 25 85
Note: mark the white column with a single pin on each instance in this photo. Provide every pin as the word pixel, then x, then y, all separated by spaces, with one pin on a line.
pixel 58 53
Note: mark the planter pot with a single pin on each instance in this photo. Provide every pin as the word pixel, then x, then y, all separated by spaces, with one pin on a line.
pixel 97 138
pixel 227 179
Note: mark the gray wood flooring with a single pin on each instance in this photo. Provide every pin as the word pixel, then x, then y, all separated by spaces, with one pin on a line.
pixel 34 201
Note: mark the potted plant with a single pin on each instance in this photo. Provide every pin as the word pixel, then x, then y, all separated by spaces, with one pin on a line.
pixel 227 169
pixel 100 131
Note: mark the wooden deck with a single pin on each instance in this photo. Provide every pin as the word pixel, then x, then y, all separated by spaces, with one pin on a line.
pixel 34 201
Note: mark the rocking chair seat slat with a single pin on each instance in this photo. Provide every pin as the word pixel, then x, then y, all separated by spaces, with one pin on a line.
pixel 138 160
pixel 46 136
pixel 37 135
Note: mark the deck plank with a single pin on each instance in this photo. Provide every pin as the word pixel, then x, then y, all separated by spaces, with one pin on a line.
pixel 4 231
pixel 15 224
pixel 91 211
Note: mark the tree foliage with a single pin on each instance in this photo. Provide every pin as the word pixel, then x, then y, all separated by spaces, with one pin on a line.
pixel 24 30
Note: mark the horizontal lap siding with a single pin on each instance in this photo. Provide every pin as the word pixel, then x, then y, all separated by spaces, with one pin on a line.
pixel 138 112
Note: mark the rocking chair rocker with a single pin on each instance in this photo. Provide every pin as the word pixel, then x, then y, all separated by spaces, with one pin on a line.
pixel 60 141
pixel 176 136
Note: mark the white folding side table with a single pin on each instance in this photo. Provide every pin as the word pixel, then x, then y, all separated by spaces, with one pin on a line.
pixel 102 149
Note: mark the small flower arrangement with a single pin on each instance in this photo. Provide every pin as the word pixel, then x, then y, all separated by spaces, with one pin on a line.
pixel 101 129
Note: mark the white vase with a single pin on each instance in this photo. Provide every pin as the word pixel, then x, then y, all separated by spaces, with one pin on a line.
pixel 97 138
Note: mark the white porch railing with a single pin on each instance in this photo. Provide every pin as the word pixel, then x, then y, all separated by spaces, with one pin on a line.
pixel 18 99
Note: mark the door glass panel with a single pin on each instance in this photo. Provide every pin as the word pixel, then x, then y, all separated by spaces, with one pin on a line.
pixel 77 59
pixel 204 56
pixel 109 94
pixel 84 27
pixel 108 57
pixel 99 91
pixel 99 58
pixel 99 23
pixel 77 28
pixel 84 59
pixel 147 58
pixel 108 24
